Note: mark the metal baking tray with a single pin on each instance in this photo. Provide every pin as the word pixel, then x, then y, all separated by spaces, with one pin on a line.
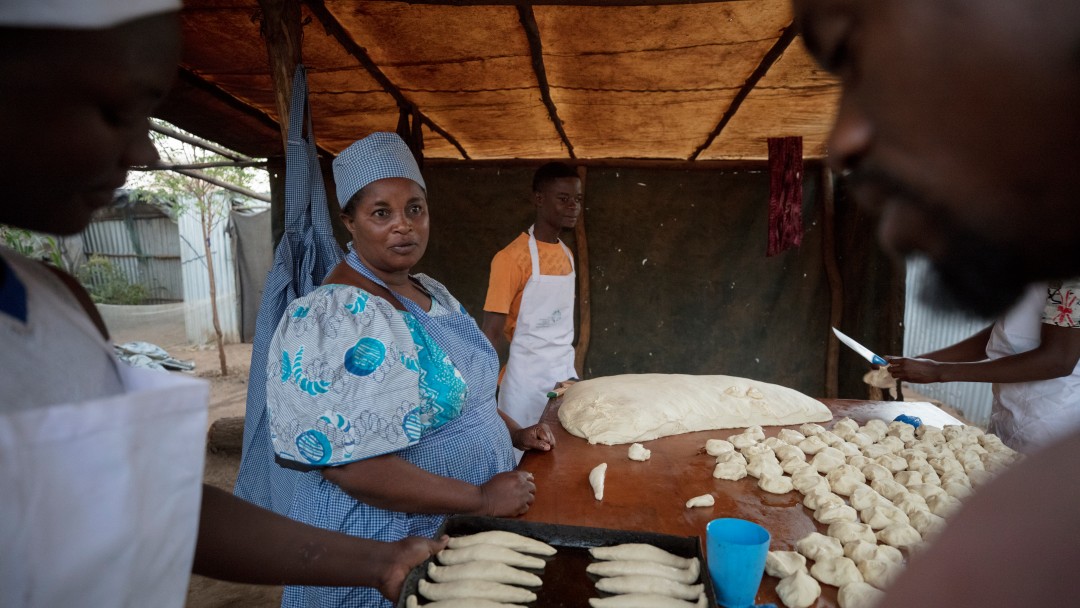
pixel 565 582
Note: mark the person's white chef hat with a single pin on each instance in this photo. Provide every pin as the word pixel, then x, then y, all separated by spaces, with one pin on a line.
pixel 79 14
pixel 377 156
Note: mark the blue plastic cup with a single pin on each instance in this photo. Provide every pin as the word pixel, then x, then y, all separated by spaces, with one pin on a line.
pixel 736 553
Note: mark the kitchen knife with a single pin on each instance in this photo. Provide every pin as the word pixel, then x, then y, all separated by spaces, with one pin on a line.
pixel 864 352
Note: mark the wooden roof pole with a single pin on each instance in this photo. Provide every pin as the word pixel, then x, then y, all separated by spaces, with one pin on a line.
pixel 536 49
pixel 581 243
pixel 836 283
pixel 281 29
pixel 332 27
pixel 774 53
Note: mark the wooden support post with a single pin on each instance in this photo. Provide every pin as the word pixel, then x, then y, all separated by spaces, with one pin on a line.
pixel 281 29
pixel 584 296
pixel 836 286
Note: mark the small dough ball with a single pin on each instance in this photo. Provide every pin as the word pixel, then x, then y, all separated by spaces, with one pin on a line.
pixel 830 514
pixel 865 497
pixel 860 550
pixel 817 546
pixel 715 447
pixel 848 532
pixel 845 424
pixel 874 471
pixel 858 461
pixel 795 464
pixel 899 535
pixel 731 471
pixel 798 590
pixel 741 441
pixel 942 504
pixel 789 451
pixel 790 436
pixel 705 500
pixel 889 553
pixel 908 478
pixel 827 459
pixel 859 595
pixel 879 572
pixel 596 480
pixel 775 484
pixel 639 453
pixel 812 445
pixel 910 503
pixel 809 429
pixel 836 571
pixel 731 457
pixel 845 478
pixel 888 488
pixel 807 479
pixel 875 428
pixel 819 497
pixel 755 431
pixel 761 466
pixel 755 450
pixel 881 516
pixel 783 564
pixel 830 438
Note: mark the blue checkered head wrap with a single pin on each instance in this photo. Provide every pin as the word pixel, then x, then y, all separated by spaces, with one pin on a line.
pixel 377 156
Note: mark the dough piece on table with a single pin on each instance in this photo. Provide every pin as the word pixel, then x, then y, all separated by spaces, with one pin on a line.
pixel 799 590
pixel 715 447
pixel 645 600
pixel 772 442
pixel 810 429
pixel 850 450
pixel 858 461
pixel 820 496
pixel 957 490
pixel 649 584
pixel 942 504
pixel 764 466
pixel 928 524
pixel 830 438
pixel 705 500
pixel 875 451
pixel 847 532
pixel 875 429
pixel 860 550
pixel 901 430
pixel 845 424
pixel 861 439
pixel 489 553
pixel 889 553
pixel 638 407
pixel 686 575
pixel 830 514
pixel 845 478
pixel 859 595
pixel 874 471
pixel 910 503
pixel 790 436
pixel 812 445
pixel 926 490
pixel 502 538
pixel 817 546
pixel 475 590
pixel 775 484
pixel 879 572
pixel 783 564
pixel 732 471
pixel 639 453
pixel 836 571
pixel 641 552
pixel 785 451
pixel 828 459
pixel 881 516
pixel 596 480
pixel 755 431
pixel 908 478
pixel 742 441
pixel 889 488
pixel 894 463
pixel 412 602
pixel 865 497
pixel 901 536
pixel 794 465
pixel 805 480
pixel 482 571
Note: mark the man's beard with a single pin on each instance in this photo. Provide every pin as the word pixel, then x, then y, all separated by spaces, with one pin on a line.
pixel 975 277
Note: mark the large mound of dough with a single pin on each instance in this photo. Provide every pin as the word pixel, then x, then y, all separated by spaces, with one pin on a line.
pixel 639 407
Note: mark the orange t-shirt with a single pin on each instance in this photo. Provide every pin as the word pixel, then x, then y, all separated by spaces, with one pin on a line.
pixel 511 268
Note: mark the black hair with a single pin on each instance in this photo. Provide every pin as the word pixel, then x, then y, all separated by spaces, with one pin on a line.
pixel 551 172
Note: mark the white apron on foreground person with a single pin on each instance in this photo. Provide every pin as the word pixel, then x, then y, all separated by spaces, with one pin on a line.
pixel 101 465
pixel 530 299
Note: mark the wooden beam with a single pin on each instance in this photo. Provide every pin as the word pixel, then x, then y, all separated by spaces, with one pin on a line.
pixel 162 167
pixel 332 27
pixel 581 243
pixel 774 53
pixel 620 163
pixel 281 29
pixel 563 2
pixel 536 49
pixel 198 142
pixel 223 184
pixel 836 283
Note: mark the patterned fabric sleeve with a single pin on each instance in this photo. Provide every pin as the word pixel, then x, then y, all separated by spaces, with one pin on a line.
pixel 349 377
pixel 1062 305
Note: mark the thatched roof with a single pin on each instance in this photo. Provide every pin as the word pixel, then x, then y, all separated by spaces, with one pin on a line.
pixel 594 79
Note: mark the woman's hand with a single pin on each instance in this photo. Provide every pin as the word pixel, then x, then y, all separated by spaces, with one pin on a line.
pixel 535 437
pixel 507 494
pixel 918 371
pixel 404 555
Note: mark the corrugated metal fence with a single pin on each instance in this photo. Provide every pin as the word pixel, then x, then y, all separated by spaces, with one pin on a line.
pixel 143 244
pixel 926 329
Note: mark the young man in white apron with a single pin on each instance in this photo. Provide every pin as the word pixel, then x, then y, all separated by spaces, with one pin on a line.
pixel 101 495
pixel 530 300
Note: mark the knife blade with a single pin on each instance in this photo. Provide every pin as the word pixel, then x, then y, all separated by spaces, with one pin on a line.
pixel 864 352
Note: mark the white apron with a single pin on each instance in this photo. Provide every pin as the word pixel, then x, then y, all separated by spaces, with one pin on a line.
pixel 99 500
pixel 542 350
pixel 1028 415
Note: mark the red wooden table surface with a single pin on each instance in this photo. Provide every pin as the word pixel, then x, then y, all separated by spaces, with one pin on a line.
pixel 651 495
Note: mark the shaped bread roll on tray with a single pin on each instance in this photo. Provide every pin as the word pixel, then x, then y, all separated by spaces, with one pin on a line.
pixel 645 600
pixel 489 553
pixel 651 585
pixel 475 590
pixel 510 540
pixel 637 568
pixel 483 571
pixel 641 552
pixel 596 480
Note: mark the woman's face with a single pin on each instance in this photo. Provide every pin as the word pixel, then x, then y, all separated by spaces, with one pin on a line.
pixel 389 224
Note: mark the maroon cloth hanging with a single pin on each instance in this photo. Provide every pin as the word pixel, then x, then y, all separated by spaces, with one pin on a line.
pixel 785 194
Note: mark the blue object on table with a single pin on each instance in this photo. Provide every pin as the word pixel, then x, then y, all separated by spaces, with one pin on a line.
pixel 914 421
pixel 736 559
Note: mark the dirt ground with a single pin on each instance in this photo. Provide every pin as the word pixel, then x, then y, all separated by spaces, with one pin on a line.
pixel 228 396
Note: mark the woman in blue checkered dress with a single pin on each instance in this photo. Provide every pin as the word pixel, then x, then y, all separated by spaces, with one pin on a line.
pixel 382 387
